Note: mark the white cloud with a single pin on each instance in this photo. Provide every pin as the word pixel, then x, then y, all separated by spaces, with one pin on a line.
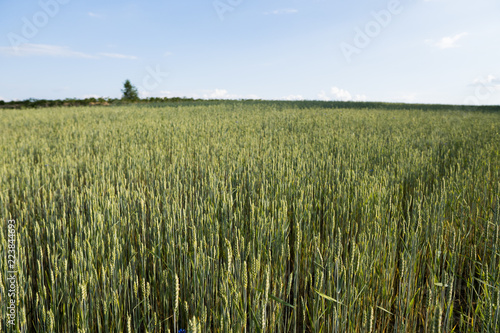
pixel 337 94
pixel 447 42
pixel 163 94
pixel 144 94
pixel 2 98
pixel 203 94
pixel 166 93
pixel 488 80
pixel 323 96
pixel 340 94
pixel 490 83
pixel 293 98
pixel 31 50
pixel 90 96
pixel 218 94
pixel 118 56
pixel 484 90
pixel 223 94
pixel 282 11
pixel 167 54
pixel 44 50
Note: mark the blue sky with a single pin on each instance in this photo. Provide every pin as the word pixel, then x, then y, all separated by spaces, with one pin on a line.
pixel 424 51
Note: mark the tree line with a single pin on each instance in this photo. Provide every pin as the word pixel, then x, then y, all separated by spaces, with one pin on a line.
pixel 130 95
pixel 101 101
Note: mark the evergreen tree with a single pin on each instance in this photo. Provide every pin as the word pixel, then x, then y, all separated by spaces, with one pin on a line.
pixel 129 92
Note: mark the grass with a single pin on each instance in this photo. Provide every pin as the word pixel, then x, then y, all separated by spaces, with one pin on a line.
pixel 252 217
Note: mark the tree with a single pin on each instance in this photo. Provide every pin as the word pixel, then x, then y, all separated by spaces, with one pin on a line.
pixel 129 92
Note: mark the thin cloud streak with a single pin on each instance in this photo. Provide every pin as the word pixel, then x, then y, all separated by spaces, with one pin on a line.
pixel 118 56
pixel 282 11
pixel 448 42
pixel 42 50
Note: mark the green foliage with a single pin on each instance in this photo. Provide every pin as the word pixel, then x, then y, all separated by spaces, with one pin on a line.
pixel 73 102
pixel 162 101
pixel 129 92
pixel 252 216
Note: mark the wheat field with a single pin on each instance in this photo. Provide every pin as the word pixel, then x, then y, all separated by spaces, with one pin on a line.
pixel 251 217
